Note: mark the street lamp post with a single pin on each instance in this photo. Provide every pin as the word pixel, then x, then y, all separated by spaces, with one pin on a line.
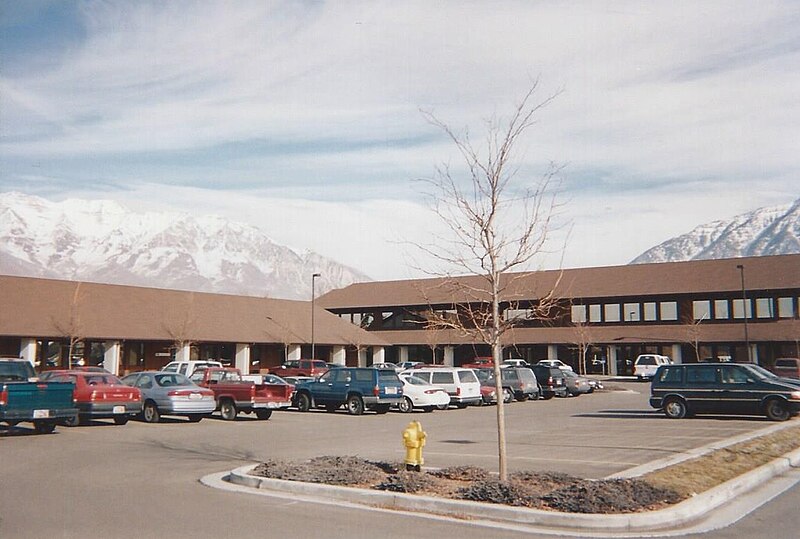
pixel 740 267
pixel 313 297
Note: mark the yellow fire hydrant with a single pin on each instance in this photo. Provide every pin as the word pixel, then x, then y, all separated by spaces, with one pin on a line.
pixel 414 440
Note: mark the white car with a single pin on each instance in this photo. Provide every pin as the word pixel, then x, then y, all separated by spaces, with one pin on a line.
pixel 420 394
pixel 461 384
pixel 646 365
pixel 555 363
pixel 386 366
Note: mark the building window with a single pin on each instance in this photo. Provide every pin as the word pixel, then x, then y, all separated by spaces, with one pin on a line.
pixel 785 308
pixel 595 313
pixel 701 310
pixel 631 312
pixel 669 310
pixel 612 312
pixel 721 310
pixel 739 308
pixel 650 311
pixel 578 314
pixel 765 308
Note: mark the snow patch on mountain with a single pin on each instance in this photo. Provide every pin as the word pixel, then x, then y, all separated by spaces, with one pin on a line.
pixel 762 232
pixel 102 241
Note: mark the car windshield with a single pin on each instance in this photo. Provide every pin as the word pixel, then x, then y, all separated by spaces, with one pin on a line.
pixel 570 374
pixel 414 381
pixel 646 361
pixel 274 379
pixel 484 374
pixel 387 374
pixel 467 376
pixel 165 380
pixel 760 372
pixel 102 379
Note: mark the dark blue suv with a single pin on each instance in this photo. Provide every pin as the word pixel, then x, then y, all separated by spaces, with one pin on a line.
pixel 358 388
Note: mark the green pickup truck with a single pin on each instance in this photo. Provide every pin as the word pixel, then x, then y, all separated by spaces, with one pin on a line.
pixel 24 398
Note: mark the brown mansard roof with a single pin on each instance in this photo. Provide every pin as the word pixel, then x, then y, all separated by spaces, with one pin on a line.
pixel 631 281
pixel 52 308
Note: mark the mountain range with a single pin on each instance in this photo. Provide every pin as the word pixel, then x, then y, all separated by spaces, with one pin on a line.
pixel 766 231
pixel 102 241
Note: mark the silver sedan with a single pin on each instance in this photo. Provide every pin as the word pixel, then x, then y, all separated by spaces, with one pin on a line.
pixel 171 393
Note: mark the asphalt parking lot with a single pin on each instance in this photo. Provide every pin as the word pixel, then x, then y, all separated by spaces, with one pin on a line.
pixel 107 480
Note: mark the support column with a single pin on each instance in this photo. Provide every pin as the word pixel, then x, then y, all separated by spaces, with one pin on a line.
pixel 677 353
pixel 28 350
pixel 243 358
pixel 612 360
pixel 184 353
pixel 362 357
pixel 449 356
pixel 402 354
pixel 339 355
pixel 294 352
pixel 754 353
pixel 552 351
pixel 112 356
pixel 378 354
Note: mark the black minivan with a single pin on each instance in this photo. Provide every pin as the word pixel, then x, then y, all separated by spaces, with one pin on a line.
pixel 723 388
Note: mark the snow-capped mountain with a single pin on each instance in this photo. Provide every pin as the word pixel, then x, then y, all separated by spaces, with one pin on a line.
pixel 765 231
pixel 102 241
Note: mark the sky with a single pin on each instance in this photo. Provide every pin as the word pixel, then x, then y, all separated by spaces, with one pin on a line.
pixel 305 118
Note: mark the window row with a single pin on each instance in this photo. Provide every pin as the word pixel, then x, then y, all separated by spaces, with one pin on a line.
pixel 765 308
pixel 650 311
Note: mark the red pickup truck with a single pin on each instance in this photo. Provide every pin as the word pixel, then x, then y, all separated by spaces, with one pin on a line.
pixel 234 395
pixel 301 367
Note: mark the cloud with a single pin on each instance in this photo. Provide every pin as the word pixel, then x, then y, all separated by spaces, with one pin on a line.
pixel 314 106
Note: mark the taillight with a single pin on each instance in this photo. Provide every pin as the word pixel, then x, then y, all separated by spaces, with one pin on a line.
pixel 376 391
pixel 3 397
pixel 458 391
pixel 93 396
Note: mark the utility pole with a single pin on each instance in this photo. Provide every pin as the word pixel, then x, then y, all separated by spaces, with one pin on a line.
pixel 740 267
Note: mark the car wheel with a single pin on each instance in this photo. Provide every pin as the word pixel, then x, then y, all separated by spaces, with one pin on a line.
pixel 303 402
pixel 461 405
pixel 521 397
pixel 548 396
pixel 382 408
pixel 406 406
pixel 150 412
pixel 72 421
pixel 195 418
pixel 776 410
pixel 508 395
pixel 120 419
pixel 228 411
pixel 44 427
pixel 428 409
pixel 263 414
pixel 355 406
pixel 674 408
pixel 442 406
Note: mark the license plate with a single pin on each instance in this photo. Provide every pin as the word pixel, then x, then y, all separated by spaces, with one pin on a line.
pixel 39 414
pixel 195 396
pixel 391 391
pixel 119 409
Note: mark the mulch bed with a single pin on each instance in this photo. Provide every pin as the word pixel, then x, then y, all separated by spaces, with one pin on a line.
pixel 551 491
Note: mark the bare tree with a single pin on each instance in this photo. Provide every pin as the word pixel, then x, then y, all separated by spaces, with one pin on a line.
pixel 286 335
pixel 498 225
pixel 72 328
pixel 583 340
pixel 182 328
pixel 692 331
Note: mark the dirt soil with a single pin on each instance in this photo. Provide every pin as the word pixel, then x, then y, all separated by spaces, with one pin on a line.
pixel 549 491
pixel 557 492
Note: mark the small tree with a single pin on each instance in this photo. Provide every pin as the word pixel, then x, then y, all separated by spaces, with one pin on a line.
pixel 72 328
pixel 285 334
pixel 583 340
pixel 498 225
pixel 182 327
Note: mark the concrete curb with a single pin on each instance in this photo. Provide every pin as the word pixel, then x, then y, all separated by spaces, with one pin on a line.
pixel 681 514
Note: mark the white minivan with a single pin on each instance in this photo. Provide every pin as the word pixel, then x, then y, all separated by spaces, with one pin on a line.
pixel 186 368
pixel 462 385
pixel 646 365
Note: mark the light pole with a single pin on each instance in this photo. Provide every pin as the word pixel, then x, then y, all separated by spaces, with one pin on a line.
pixel 313 294
pixel 740 267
